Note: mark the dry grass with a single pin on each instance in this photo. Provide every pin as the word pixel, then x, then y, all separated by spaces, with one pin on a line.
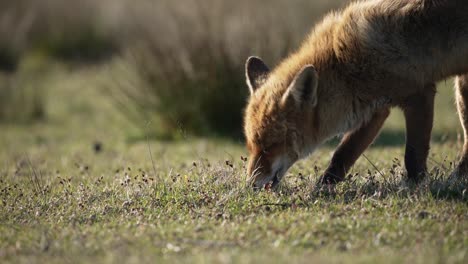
pixel 188 59
pixel 182 63
pixel 23 92
pixel 112 205
pixel 32 33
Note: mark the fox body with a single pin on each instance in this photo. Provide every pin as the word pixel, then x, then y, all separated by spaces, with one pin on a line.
pixel 352 68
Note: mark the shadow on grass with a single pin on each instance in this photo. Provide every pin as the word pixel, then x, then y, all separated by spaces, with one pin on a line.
pixel 439 188
pixel 440 184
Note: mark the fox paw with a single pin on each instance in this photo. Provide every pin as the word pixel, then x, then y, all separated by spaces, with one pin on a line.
pixel 330 179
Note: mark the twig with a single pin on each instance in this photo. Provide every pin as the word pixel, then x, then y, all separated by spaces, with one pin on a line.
pixel 34 178
pixel 149 149
pixel 373 165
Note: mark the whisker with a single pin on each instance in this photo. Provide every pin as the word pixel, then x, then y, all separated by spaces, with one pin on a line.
pixel 255 173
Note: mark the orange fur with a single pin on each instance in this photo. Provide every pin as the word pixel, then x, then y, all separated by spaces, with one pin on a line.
pixel 354 64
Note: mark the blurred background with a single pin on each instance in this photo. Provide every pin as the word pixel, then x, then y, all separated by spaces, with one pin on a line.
pixel 121 139
pixel 156 69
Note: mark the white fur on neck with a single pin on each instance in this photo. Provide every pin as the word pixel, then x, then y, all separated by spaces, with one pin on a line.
pixel 360 116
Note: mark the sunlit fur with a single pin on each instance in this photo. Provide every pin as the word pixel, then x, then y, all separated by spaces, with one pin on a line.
pixel 371 55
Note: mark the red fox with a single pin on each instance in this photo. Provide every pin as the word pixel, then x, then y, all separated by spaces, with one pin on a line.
pixel 351 70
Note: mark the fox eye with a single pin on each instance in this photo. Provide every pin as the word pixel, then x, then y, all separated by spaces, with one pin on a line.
pixel 267 150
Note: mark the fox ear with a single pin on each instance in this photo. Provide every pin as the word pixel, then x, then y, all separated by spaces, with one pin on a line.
pixel 303 89
pixel 256 73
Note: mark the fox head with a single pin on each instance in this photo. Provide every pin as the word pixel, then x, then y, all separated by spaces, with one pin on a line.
pixel 279 120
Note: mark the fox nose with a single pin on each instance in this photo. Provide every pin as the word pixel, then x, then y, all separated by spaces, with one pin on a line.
pixel 267 181
pixel 256 186
pixel 256 179
pixel 258 183
pixel 263 173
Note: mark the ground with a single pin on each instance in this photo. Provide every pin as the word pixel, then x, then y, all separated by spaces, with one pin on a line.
pixel 78 187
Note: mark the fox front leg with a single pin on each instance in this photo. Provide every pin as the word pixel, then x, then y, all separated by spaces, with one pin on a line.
pixel 351 147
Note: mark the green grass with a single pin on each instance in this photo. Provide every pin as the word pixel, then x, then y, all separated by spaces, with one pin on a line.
pixel 60 201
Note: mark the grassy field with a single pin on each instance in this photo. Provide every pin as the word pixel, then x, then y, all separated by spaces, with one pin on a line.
pixel 79 188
